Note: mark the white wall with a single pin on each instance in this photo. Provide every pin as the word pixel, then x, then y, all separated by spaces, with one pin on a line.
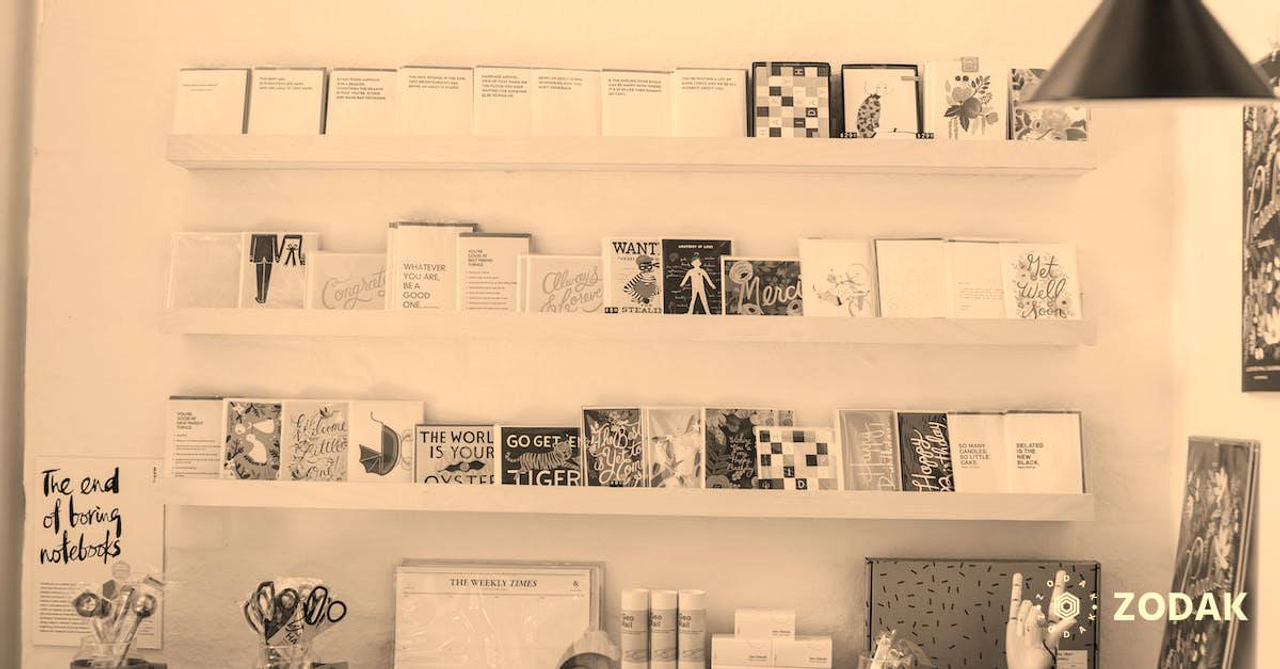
pixel 105 202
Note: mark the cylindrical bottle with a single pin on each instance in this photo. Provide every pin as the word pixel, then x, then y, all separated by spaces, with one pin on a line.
pixel 693 629
pixel 662 629
pixel 635 629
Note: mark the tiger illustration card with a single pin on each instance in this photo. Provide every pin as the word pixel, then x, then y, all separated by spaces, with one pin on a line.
pixel 633 275
pixel 542 456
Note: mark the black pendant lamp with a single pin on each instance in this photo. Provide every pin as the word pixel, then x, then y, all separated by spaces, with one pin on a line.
pixel 1151 49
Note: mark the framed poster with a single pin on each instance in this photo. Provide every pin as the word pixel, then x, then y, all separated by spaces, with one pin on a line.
pixel 1260 311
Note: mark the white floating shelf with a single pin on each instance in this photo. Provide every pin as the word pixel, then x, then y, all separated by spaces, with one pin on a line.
pixel 651 502
pixel 628 327
pixel 653 154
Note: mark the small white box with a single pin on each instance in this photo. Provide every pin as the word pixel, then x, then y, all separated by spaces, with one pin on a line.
pixel 287 101
pixel 728 650
pixel 210 102
pixel 764 623
pixel 807 652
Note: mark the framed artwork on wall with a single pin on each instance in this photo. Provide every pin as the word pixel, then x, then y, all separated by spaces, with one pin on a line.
pixel 1260 309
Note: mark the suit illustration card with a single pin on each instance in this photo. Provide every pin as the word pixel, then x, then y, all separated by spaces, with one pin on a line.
pixel 674 446
pixel 691 279
pixel 797 458
pixel 381 443
pixel 1040 281
pixel 567 284
pixel 869 443
pixel 613 447
pixel 346 280
pixel 252 444
pixel 925 443
pixel 762 287
pixel 273 269
pixel 839 277
pixel 882 101
pixel 970 98
pixel 543 456
pixel 455 454
pixel 314 446
pixel 731 444
pixel 1058 122
pixel 633 270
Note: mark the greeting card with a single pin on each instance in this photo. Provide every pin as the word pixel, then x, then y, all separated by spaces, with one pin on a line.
pixel 487 269
pixel 455 454
pixel 314 444
pixel 979 456
pixel 912 277
pixel 1042 122
pixel 381 443
pixel 613 447
pixel 346 281
pixel 730 444
pixel 563 284
pixel 204 269
pixel 433 101
pixel 791 99
pixel 692 282
pixel 1040 281
pixel 797 458
pixel 1043 452
pixel 251 443
pixel 423 258
pixel 762 287
pixel 970 98
pixel 882 101
pixel 361 102
pixel 273 269
pixel 869 443
pixel 543 456
pixel 674 446
pixel 839 277
pixel 925 444
pixel 633 267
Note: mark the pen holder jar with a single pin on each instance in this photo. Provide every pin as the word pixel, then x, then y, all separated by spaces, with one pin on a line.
pixel 290 656
pixel 94 654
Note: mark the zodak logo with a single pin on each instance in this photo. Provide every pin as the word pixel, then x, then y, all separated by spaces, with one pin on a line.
pixel 1180 606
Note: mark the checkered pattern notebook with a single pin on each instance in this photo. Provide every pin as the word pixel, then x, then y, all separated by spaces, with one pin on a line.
pixel 791 99
pixel 797 458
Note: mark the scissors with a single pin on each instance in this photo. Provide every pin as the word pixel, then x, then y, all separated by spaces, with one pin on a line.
pixel 319 611
pixel 268 611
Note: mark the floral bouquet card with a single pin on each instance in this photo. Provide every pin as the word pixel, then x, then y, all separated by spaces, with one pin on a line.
pixel 970 98
pixel 1040 281
pixel 1058 122
pixel 674 446
pixel 762 286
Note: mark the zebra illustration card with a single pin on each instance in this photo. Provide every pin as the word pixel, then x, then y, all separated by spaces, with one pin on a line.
pixel 633 272
pixel 613 447
pixel 762 286
pixel 251 447
pixel 882 101
pixel 454 454
pixel 314 446
pixel 691 279
pixel 543 456
pixel 731 444
pixel 382 440
pixel 674 446
pixel 839 278
pixel 273 270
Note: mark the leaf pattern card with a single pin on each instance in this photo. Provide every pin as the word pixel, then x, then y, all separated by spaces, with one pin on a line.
pixel 691 279
pixel 762 287
pixel 563 284
pixel 731 444
pixel 882 101
pixel 314 447
pixel 346 281
pixel 204 270
pixel 1043 452
pixel 674 446
pixel 1057 122
pixel 925 444
pixel 613 447
pixel 633 267
pixel 251 446
pixel 869 443
pixel 273 269
pixel 381 443
pixel 1040 281
pixel 970 98
pixel 797 458
pixel 462 454
pixel 839 278
pixel 541 456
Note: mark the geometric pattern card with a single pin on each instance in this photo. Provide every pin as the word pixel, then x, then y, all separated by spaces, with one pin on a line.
pixel 1040 281
pixel 798 458
pixel 455 454
pixel 956 610
pixel 839 277
pixel 314 447
pixel 731 444
pixel 273 270
pixel 691 278
pixel 633 267
pixel 381 446
pixel 563 284
pixel 251 447
pixel 882 101
pixel 870 448
pixel 762 287
pixel 346 280
pixel 674 446
pixel 970 98
pixel 1061 122
pixel 204 269
pixel 791 99
pixel 613 447
pixel 925 444
pixel 542 456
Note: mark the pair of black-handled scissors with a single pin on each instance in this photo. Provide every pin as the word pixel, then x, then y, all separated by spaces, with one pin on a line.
pixel 268 611
pixel 319 609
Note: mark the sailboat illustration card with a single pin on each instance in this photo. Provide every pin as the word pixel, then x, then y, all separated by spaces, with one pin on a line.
pixel 882 101
pixel 273 269
pixel 1041 281
pixel 563 284
pixel 633 270
pixel 674 446
pixel 839 277
pixel 461 454
pixel 762 286
pixel 314 444
pixel 541 456
pixel 251 445
pixel 381 440
pixel 613 447
pixel 731 444
pixel 797 458
pixel 691 278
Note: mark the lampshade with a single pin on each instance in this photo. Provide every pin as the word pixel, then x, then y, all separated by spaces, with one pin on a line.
pixel 1151 49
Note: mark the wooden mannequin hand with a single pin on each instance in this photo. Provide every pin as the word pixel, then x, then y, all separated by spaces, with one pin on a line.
pixel 1031 640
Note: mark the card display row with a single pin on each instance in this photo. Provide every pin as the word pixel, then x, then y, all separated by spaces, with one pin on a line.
pixel 448 267
pixel 960 98
pixel 628 446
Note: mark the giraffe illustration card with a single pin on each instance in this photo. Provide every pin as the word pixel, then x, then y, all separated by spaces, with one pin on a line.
pixel 381 440
pixel 882 101
pixel 540 456
pixel 1041 281
pixel 674 446
pixel 762 286
pixel 314 443
pixel 839 278
pixel 691 277
pixel 273 269
pixel 798 458
pixel 633 271
pixel 251 443
pixel 613 447
pixel 461 454
pixel 731 444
